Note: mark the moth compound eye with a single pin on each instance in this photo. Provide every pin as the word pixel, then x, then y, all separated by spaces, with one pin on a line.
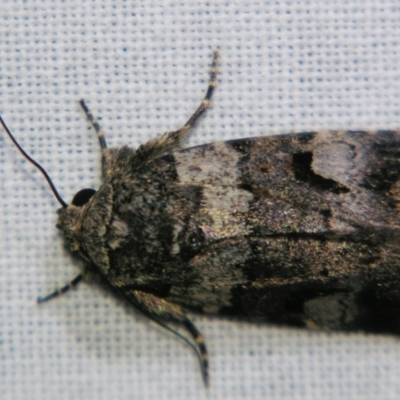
pixel 82 197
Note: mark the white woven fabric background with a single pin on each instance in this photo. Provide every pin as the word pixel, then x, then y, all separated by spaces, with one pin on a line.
pixel 142 67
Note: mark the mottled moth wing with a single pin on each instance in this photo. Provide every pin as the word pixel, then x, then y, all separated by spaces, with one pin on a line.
pixel 294 229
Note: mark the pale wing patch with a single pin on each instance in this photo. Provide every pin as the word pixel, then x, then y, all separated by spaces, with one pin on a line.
pixel 215 164
pixel 119 230
pixel 177 228
pixel 227 208
pixel 120 227
pixel 214 168
pixel 341 156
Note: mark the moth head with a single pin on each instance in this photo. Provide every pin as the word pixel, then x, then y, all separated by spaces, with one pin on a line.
pixel 85 222
pixel 70 218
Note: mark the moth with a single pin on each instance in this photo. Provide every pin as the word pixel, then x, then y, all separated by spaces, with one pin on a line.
pixel 298 229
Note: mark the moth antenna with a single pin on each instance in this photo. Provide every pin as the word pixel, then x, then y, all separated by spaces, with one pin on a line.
pixel 37 165
pixel 95 124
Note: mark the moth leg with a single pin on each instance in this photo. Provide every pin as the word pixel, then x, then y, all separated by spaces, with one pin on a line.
pixel 95 124
pixel 162 311
pixel 62 290
pixel 171 140
pixel 177 136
